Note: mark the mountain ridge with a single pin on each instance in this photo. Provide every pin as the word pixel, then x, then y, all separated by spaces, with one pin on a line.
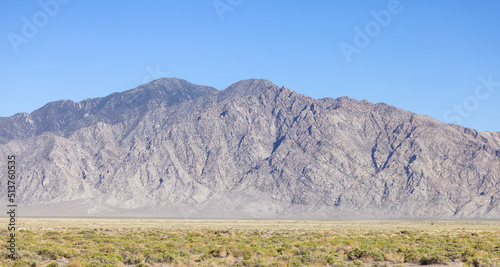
pixel 107 106
pixel 256 150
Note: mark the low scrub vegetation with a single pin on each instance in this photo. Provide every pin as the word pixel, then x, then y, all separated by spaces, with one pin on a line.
pixel 237 246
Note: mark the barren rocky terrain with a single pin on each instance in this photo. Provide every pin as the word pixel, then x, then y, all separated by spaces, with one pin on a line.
pixel 170 148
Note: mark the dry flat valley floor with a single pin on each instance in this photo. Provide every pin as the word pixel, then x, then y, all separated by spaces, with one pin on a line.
pixel 159 242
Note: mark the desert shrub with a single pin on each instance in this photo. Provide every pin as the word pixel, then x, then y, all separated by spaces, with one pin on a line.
pixel 410 255
pixel 53 264
pixel 376 255
pixel 200 249
pixel 303 251
pixel 468 253
pixel 218 252
pixel 483 246
pixel 258 262
pixel 154 258
pixel 235 253
pixel 75 264
pixel 453 255
pixel 168 257
pixel 435 259
pixel 358 254
pixel 478 262
pixel 329 259
pixel 354 254
pixel 294 263
pixel 25 263
pixel 106 258
pixel 247 254
pixel 358 263
pixel 133 259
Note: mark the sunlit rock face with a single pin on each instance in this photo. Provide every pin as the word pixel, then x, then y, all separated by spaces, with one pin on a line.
pixel 170 148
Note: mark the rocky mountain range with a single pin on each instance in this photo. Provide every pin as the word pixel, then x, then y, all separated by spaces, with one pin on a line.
pixel 173 149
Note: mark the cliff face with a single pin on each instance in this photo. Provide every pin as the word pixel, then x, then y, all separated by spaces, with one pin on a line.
pixel 171 148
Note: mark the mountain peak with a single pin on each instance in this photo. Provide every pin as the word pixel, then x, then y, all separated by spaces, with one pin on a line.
pixel 173 85
pixel 250 87
pixel 254 82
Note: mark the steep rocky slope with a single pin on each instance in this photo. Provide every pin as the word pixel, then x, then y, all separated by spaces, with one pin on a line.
pixel 173 149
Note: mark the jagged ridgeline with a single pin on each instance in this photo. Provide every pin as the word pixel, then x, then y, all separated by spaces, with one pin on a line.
pixel 170 148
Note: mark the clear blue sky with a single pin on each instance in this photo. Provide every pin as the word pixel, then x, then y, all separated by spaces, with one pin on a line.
pixel 428 58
